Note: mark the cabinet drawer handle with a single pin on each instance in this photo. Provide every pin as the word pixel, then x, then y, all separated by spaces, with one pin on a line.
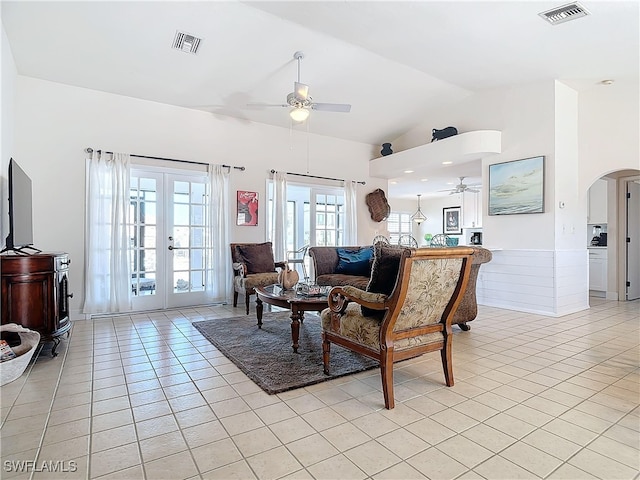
pixel 70 295
pixel 66 263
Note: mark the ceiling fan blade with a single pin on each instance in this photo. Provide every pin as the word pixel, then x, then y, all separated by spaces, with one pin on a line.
pixel 262 105
pixel 473 190
pixel 301 90
pixel 332 107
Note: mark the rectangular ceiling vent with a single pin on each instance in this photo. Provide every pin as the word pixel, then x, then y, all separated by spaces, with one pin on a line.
pixel 565 13
pixel 186 42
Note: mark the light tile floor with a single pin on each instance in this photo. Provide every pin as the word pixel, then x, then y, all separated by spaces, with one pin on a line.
pixel 146 396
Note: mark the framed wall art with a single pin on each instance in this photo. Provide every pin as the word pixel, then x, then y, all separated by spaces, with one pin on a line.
pixel 247 208
pixel 517 187
pixel 452 221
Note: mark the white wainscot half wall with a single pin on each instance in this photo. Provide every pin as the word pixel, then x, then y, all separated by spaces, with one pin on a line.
pixel 545 282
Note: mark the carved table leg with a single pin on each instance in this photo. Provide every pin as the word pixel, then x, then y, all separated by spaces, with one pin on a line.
pixel 259 308
pixel 296 318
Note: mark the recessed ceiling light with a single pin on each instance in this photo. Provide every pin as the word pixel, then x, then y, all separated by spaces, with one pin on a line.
pixel 424 179
pixel 408 171
pixel 393 182
pixel 607 82
pixel 447 163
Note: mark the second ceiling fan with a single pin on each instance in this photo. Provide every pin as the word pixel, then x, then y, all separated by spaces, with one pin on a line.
pixel 301 103
pixel 462 187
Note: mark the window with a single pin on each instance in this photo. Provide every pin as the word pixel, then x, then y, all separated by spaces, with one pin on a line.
pixel 399 224
pixel 315 216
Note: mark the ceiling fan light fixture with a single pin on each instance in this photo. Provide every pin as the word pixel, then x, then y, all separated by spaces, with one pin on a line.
pixel 418 217
pixel 299 114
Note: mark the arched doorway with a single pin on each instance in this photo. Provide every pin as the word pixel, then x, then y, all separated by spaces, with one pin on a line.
pixel 614 263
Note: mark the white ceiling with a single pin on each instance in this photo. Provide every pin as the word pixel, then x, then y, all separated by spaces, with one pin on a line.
pixel 392 61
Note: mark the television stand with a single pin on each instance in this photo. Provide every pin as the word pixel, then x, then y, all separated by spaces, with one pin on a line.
pixel 35 293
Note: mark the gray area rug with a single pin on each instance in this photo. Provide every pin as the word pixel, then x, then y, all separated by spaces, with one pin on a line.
pixel 266 357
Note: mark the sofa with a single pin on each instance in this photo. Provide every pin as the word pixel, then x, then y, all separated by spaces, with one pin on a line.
pixel 341 266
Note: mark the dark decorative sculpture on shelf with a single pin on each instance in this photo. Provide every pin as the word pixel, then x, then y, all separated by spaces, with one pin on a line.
pixel 378 206
pixel 386 149
pixel 444 133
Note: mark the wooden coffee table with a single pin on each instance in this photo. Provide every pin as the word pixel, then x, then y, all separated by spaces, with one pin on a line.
pixel 298 304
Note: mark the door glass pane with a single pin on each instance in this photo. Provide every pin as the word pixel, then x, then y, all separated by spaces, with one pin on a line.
pixel 180 259
pixel 180 237
pixel 197 259
pixel 197 237
pixel 197 281
pixel 180 282
pixel 181 214
pixel 197 193
pixel 197 215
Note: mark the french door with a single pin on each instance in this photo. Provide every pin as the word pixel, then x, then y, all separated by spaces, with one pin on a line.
pixel 167 235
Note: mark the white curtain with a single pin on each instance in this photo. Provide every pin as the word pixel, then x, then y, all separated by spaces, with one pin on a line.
pixel 351 213
pixel 107 246
pixel 219 275
pixel 279 216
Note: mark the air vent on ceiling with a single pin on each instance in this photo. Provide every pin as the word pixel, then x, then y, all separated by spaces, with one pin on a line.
pixel 565 13
pixel 186 42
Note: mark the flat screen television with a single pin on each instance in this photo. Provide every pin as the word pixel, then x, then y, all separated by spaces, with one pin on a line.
pixel 20 209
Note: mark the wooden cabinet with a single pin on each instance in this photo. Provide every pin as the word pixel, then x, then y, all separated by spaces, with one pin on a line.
pixel 597 202
pixel 598 269
pixel 35 293
pixel 471 210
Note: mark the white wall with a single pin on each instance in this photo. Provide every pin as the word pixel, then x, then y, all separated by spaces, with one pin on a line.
pixel 609 130
pixel 54 124
pixel 583 136
pixel 525 116
pixel 7 86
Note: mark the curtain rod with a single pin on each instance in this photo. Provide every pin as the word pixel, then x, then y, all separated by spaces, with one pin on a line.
pixel 90 150
pixel 321 178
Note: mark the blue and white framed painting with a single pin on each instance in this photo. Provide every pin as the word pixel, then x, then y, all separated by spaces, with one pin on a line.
pixel 517 187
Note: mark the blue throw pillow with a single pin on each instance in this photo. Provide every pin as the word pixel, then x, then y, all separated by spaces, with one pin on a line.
pixel 355 262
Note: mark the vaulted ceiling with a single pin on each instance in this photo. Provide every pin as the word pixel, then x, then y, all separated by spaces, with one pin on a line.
pixel 391 61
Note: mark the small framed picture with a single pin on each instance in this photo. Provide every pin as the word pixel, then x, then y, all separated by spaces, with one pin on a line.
pixel 452 221
pixel 247 213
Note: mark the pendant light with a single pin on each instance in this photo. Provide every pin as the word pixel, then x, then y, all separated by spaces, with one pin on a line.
pixel 418 217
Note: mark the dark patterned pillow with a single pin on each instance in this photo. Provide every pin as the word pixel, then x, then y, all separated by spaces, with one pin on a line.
pixel 384 273
pixel 258 257
pixel 355 262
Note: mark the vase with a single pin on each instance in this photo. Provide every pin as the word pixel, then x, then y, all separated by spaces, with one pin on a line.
pixel 386 149
pixel 287 278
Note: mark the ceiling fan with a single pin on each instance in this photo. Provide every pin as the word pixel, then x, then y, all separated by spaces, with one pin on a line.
pixel 301 103
pixel 462 187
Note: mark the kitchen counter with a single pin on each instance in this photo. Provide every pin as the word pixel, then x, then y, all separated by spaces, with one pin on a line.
pixel 597 248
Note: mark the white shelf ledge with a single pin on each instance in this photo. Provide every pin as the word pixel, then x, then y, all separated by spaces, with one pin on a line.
pixel 461 148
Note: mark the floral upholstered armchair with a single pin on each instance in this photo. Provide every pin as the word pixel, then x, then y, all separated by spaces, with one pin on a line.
pixel 253 266
pixel 405 312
